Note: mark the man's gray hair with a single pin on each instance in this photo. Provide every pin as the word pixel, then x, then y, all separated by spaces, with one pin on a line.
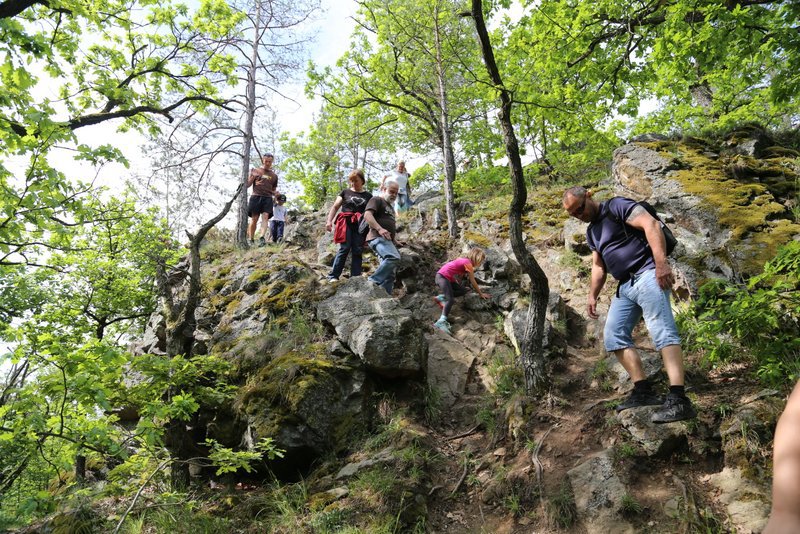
pixel 387 183
pixel 577 191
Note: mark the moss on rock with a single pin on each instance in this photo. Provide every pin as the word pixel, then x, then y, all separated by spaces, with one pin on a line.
pixel 741 207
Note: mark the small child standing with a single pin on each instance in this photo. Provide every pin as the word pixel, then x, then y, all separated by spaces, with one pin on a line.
pixel 450 280
pixel 278 220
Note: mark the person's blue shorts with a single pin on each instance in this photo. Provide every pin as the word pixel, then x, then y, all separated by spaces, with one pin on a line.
pixel 640 297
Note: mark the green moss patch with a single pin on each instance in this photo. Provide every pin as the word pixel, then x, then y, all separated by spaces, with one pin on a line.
pixel 280 295
pixel 742 207
pixel 287 378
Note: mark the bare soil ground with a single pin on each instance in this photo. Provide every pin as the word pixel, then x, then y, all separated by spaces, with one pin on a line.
pixel 487 481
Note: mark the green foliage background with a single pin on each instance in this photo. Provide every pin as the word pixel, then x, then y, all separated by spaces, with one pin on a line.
pixel 78 268
pixel 757 322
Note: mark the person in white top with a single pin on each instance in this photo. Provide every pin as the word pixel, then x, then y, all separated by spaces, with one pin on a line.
pixel 278 220
pixel 402 177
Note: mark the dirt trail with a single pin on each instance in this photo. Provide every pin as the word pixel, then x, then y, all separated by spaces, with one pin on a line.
pixel 486 479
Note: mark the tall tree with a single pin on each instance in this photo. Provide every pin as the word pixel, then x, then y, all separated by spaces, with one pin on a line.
pixel 705 63
pixel 270 56
pixel 181 323
pixel 97 62
pixel 531 345
pixel 205 149
pixel 338 141
pixel 409 58
pixel 65 358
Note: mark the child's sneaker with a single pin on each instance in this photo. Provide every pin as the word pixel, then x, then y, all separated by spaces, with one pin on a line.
pixel 262 242
pixel 442 325
pixel 439 300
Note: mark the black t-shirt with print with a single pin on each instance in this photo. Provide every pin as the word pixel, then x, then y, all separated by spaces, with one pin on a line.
pixel 354 202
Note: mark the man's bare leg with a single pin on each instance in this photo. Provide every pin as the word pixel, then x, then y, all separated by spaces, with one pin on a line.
pixel 251 229
pixel 673 363
pixel 265 217
pixel 785 515
pixel 629 359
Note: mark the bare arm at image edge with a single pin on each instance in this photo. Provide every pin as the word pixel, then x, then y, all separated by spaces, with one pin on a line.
pixel 785 515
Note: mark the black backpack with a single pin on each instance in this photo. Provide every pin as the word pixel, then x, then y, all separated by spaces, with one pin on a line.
pixel 669 237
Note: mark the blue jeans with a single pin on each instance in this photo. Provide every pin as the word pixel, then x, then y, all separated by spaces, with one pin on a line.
pixel 353 243
pixel 276 230
pixel 387 252
pixel 403 202
pixel 640 296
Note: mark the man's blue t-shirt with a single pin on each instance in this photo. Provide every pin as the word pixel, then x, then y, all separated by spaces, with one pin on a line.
pixel 623 254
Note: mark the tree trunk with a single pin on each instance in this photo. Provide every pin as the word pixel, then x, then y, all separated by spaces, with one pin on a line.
pixel 531 344
pixel 80 469
pixel 446 134
pixel 180 338
pixel 250 113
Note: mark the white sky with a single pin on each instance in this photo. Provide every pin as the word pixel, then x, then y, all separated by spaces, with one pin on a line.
pixel 334 27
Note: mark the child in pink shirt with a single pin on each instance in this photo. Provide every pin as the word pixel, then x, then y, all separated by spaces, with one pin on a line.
pixel 450 280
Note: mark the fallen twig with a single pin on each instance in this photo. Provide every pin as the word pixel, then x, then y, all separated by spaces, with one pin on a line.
pixel 138 493
pixel 535 459
pixel 461 480
pixel 469 432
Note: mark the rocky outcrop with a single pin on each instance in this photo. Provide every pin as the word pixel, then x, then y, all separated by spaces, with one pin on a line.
pixel 741 484
pixel 598 494
pixel 746 502
pixel 382 333
pixel 308 401
pixel 448 366
pixel 655 440
pixel 727 207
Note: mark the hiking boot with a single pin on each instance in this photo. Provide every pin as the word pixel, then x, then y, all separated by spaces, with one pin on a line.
pixel 439 300
pixel 442 325
pixel 675 408
pixel 262 242
pixel 636 399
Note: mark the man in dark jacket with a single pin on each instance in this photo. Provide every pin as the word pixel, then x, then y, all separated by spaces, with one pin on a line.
pixel 628 242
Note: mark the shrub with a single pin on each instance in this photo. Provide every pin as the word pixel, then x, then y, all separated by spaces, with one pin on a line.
pixel 481 179
pixel 758 321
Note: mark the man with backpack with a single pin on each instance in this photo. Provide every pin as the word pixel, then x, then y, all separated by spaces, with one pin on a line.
pixel 627 241
pixel 380 217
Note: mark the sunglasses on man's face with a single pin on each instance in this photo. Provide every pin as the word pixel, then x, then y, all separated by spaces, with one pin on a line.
pixel 577 212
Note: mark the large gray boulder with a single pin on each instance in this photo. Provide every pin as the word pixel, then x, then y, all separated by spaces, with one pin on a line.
pixel 638 170
pixel 448 365
pixel 598 495
pixel 746 502
pixel 309 402
pixel 304 230
pixel 516 321
pixel 621 380
pixel 375 327
pixel 154 339
pixel 575 236
pixel 721 212
pixel 655 440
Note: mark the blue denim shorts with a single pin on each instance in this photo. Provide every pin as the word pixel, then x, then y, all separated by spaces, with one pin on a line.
pixel 640 297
